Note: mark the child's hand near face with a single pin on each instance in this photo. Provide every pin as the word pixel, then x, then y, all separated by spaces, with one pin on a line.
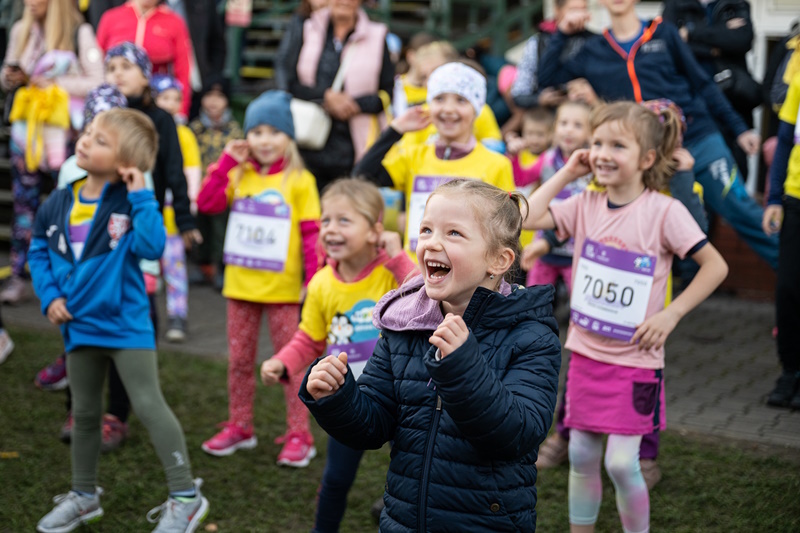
pixel 327 376
pixel 450 334
pixel 132 177
pixel 271 371
pixel 515 145
pixel 414 119
pixel 390 241
pixel 577 165
pixel 57 312
pixel 684 159
pixel 238 149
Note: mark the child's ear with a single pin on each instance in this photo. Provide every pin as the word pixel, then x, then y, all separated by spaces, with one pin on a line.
pixel 375 234
pixel 647 160
pixel 502 261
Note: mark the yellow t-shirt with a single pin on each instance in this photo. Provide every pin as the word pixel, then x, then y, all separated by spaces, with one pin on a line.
pixel 80 219
pixel 341 313
pixel 416 171
pixel 191 159
pixel 790 112
pixel 294 197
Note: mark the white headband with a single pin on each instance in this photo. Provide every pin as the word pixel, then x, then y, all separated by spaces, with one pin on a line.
pixel 460 79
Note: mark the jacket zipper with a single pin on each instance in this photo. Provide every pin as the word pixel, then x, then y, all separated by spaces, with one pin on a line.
pixel 423 484
pixel 437 413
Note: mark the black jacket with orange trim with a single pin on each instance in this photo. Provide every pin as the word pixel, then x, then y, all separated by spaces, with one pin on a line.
pixel 659 65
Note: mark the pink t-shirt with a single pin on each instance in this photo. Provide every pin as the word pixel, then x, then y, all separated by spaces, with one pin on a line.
pixel 652 228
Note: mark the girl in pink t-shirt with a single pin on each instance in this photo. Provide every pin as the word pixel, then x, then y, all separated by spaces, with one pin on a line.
pixel 626 234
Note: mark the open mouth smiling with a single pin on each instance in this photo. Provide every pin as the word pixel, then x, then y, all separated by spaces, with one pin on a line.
pixel 436 270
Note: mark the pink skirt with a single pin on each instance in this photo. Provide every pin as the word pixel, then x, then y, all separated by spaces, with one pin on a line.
pixel 622 400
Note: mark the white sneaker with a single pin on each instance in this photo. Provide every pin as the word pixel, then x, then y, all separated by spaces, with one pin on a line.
pixel 71 510
pixel 175 516
pixel 6 345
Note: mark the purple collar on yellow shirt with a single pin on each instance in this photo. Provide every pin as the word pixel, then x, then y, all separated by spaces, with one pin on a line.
pixel 454 150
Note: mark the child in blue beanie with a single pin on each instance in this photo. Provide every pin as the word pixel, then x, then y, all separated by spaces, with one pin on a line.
pixel 270 253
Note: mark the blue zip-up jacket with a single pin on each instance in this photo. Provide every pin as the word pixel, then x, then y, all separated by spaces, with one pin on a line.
pixel 104 290
pixel 466 428
pixel 659 65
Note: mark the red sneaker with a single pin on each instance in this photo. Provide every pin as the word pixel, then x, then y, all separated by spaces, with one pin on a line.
pixel 53 377
pixel 114 433
pixel 230 439
pixel 298 450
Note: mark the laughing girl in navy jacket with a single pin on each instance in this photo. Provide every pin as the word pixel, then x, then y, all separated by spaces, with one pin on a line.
pixel 463 379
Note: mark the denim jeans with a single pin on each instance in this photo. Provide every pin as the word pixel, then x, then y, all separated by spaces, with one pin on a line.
pixel 725 194
pixel 340 472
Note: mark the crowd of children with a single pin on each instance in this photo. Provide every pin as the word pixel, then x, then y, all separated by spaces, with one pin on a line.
pixel 439 338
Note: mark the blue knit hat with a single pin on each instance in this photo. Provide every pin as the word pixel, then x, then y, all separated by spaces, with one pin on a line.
pixel 165 82
pixel 273 109
pixel 102 98
pixel 134 54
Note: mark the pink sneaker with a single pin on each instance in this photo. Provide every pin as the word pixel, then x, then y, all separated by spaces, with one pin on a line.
pixel 230 439
pixel 115 431
pixel 53 377
pixel 298 450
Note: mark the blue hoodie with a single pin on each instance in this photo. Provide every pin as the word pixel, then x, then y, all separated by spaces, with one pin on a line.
pixel 104 289
pixel 660 65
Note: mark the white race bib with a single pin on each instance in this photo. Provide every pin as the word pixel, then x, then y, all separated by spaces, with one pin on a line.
pixel 257 235
pixel 611 289
pixel 423 187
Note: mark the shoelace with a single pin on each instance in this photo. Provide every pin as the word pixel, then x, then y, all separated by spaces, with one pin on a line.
pixel 163 512
pixel 166 509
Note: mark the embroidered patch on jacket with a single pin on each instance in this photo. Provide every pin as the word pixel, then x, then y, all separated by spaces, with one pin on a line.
pixel 118 225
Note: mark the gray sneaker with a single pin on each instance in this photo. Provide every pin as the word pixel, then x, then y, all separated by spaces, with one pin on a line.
pixel 70 512
pixel 174 516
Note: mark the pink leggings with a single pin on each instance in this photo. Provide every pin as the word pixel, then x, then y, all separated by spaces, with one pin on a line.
pixel 244 320
pixel 622 465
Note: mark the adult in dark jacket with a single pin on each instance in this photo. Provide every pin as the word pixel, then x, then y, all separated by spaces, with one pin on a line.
pixel 466 428
pixel 292 40
pixel 659 64
pixel 719 34
pixel 326 37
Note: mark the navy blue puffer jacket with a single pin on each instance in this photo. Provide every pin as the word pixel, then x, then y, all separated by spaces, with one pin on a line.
pixel 467 428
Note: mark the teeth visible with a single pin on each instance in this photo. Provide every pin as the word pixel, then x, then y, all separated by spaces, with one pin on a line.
pixel 434 264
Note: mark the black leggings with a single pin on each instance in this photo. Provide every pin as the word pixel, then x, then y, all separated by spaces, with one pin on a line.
pixel 787 293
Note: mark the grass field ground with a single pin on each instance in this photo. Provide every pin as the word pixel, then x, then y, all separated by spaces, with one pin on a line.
pixel 709 485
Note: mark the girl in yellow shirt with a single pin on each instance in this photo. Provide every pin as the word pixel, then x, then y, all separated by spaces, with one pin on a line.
pixel 456 94
pixel 364 263
pixel 269 251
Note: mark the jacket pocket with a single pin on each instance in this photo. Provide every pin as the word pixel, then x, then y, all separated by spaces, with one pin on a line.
pixel 645 396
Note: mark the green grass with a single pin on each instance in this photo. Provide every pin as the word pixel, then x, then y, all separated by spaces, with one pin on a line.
pixel 709 485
